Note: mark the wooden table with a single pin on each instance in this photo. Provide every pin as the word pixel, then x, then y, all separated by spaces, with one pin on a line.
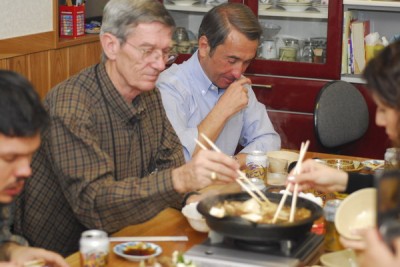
pixel 171 222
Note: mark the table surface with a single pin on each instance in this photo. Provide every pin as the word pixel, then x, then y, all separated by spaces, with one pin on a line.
pixel 171 222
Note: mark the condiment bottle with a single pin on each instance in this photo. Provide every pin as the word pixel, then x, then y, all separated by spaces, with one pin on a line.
pixel 332 242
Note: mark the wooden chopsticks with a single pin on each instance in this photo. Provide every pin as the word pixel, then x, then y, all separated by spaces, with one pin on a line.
pixel 297 170
pixel 247 184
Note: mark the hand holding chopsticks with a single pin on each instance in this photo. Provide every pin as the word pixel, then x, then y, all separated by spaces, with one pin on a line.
pixel 246 183
pixel 297 170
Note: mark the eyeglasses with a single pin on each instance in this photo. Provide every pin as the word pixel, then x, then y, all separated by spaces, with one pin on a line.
pixel 151 54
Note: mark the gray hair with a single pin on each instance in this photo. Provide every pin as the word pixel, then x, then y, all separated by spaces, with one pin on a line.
pixel 120 17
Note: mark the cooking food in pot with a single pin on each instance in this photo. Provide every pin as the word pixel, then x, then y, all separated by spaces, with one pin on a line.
pixel 251 210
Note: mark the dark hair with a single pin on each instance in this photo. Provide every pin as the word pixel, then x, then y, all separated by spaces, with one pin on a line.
pixel 220 20
pixel 21 112
pixel 383 75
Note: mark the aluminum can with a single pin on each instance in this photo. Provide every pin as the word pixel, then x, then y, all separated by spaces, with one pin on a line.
pixel 256 165
pixel 94 248
pixel 332 242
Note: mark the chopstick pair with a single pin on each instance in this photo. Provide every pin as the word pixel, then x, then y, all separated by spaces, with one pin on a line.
pixel 257 194
pixel 297 170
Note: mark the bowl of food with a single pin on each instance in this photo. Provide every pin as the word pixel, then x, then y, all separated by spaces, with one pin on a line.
pixel 343 164
pixel 357 211
pixel 195 219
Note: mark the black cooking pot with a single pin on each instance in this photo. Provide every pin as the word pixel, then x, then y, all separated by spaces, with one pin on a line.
pixel 238 228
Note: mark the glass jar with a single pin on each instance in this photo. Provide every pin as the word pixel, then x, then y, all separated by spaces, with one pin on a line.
pixel 307 54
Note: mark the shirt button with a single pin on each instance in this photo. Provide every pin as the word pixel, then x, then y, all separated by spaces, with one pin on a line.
pixel 203 91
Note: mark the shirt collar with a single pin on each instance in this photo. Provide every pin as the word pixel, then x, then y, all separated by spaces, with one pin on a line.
pixel 116 101
pixel 199 75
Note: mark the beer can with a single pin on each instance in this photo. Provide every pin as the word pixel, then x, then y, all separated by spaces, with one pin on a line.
pixel 256 165
pixel 332 242
pixel 94 248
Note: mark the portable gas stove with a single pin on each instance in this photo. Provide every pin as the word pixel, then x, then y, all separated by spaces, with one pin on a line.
pixel 219 251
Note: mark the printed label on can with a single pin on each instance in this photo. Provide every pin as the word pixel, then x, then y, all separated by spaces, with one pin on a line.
pixel 94 259
pixel 256 165
pixel 94 247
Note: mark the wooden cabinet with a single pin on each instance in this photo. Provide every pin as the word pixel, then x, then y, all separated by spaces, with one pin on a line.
pixel 45 59
pixel 47 68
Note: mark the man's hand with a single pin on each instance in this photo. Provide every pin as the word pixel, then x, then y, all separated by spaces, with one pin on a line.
pixel 21 255
pixel 235 97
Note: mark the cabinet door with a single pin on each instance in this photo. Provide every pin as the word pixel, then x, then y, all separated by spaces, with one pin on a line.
pixel 312 31
pixel 290 104
pixel 308 43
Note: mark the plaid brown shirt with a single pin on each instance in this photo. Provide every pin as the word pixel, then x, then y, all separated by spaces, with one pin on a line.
pixel 6 217
pixel 75 185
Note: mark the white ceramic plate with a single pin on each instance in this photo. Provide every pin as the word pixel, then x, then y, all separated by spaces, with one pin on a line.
pixel 120 248
pixel 370 164
pixel 264 6
pixel 295 8
pixel 184 2
pixel 341 258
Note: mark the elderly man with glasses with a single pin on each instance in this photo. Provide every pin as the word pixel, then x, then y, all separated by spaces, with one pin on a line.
pixel 110 157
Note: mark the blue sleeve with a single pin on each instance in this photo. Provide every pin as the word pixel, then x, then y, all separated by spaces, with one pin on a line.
pixel 258 132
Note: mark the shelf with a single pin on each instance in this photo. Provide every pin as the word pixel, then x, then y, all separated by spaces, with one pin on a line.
pixel 193 8
pixel 372 5
pixel 352 78
pixel 87 38
pixel 282 13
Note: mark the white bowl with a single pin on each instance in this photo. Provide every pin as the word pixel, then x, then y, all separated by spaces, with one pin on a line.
pixel 341 258
pixel 357 211
pixel 195 219
pixel 120 250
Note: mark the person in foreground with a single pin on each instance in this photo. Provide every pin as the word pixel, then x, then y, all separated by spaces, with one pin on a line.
pixel 383 81
pixel 22 118
pixel 110 158
pixel 209 94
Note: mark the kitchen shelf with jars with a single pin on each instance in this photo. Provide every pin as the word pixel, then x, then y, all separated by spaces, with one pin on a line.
pixel 368 27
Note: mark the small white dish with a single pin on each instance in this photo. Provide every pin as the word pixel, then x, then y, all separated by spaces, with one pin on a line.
pixel 264 6
pixel 120 250
pixel 195 219
pixel 291 8
pixel 341 258
pixel 321 8
pixel 184 2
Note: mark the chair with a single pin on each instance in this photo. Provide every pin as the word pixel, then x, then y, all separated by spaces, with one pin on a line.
pixel 340 115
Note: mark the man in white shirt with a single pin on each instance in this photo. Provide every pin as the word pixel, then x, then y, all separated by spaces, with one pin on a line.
pixel 209 94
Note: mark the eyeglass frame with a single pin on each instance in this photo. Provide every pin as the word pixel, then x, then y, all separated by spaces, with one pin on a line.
pixel 168 57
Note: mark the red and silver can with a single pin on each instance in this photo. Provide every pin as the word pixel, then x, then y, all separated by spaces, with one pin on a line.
pixel 256 165
pixel 94 248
